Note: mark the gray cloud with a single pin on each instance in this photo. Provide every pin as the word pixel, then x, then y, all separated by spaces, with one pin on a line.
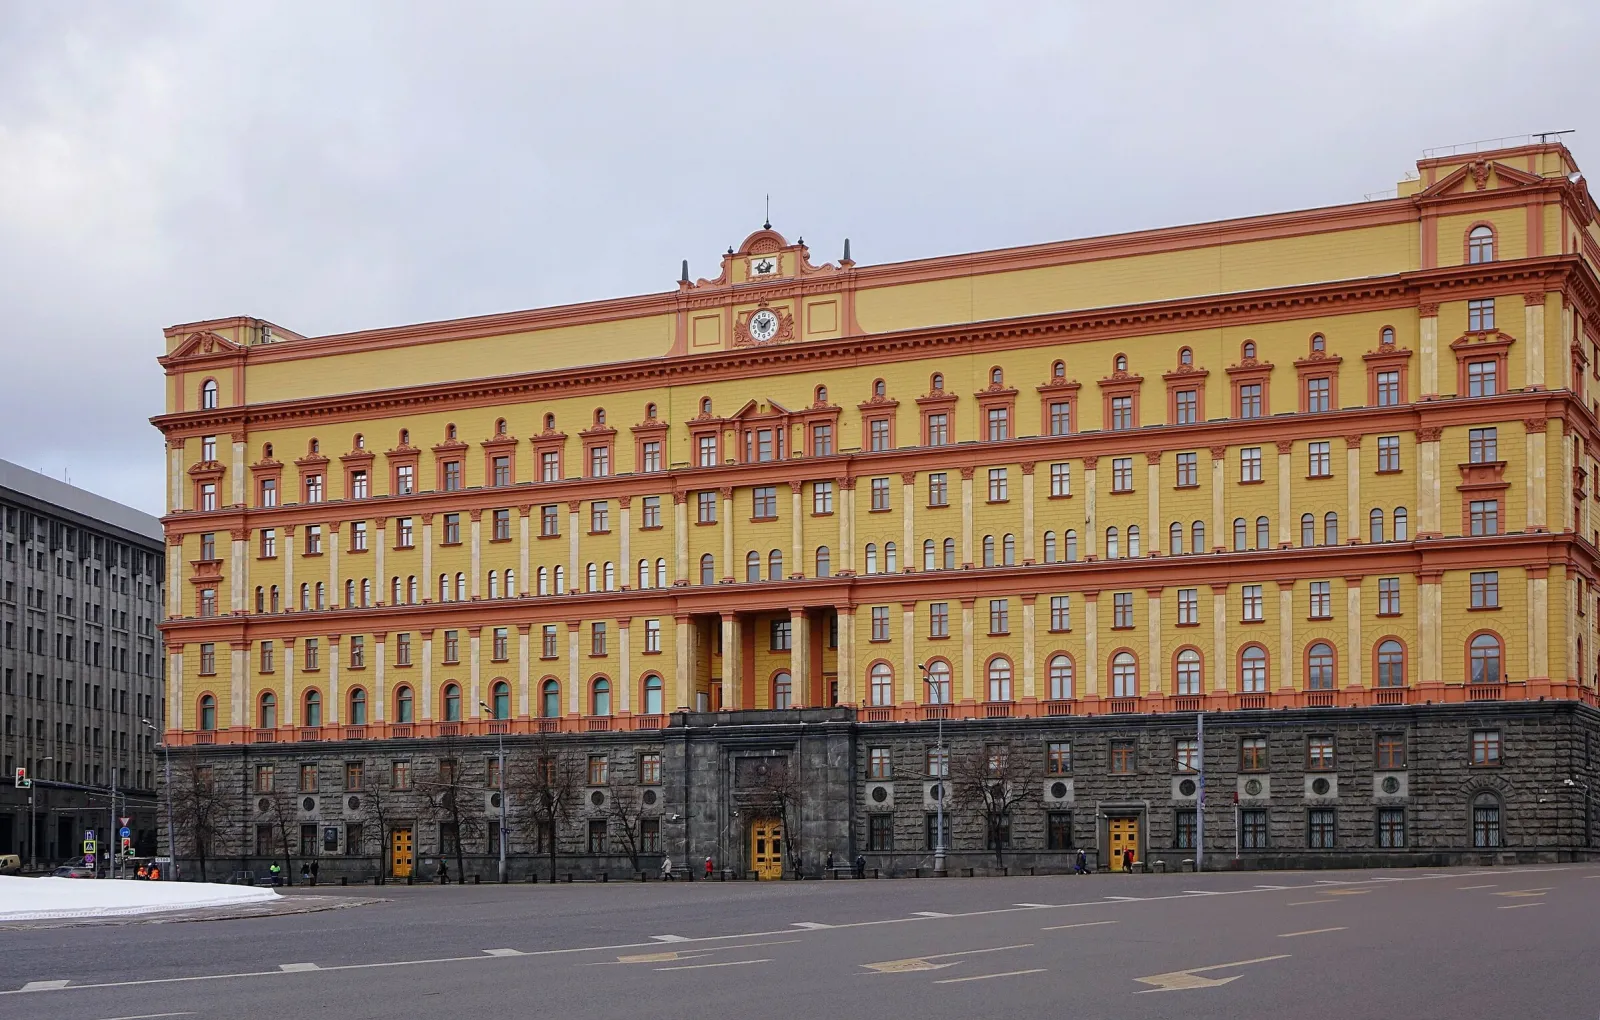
pixel 347 165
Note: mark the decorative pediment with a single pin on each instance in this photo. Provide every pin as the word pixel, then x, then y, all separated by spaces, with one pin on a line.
pixel 204 343
pixel 1480 175
pixel 754 409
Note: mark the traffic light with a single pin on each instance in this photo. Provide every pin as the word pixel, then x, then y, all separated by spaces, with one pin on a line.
pixel 22 781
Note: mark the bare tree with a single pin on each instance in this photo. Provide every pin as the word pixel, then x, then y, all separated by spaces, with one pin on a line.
pixel 545 788
pixel 379 801
pixel 197 811
pixel 445 792
pixel 991 782
pixel 281 813
pixel 777 792
pixel 626 809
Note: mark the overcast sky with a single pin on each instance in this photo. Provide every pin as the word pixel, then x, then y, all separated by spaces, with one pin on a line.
pixel 333 166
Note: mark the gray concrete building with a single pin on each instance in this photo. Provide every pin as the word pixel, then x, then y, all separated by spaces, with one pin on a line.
pixel 81 581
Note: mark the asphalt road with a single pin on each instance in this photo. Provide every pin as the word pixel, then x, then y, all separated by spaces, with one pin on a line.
pixel 1414 944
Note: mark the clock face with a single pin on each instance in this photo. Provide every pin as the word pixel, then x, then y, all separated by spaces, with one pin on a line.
pixel 764 324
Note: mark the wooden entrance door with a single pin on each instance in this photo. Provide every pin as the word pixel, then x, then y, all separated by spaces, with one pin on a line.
pixel 766 848
pixel 402 853
pixel 1122 835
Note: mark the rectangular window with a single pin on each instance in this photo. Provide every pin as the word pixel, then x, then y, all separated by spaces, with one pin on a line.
pixel 1121 610
pixel 1319 753
pixel 269 492
pixel 1060 613
pixel 549 646
pixel 358 485
pixel 1250 464
pixel 1320 463
pixel 1483 446
pixel 1060 418
pixel 1058 830
pixel 1186 404
pixel 705 507
pixel 880 493
pixel 1391 752
pixel 1318 395
pixel 600 516
pixel 822 497
pixel 1122 757
pixel 452 646
pixel 1251 594
pixel 650 768
pixel 938 489
pixel 880 623
pixel 358 536
pixel 1388 384
pixel 599 461
pixel 1253 829
pixel 999 616
pixel 597 638
pixel 1483 378
pixel 651 517
pixel 266 657
pixel 1321 600
pixel 264 778
pixel 1320 829
pixel 782 636
pixel 999 420
pixel 652 635
pixel 1187 754
pixel 1388 596
pixel 1388 454
pixel 1250 400
pixel 1058 758
pixel 1253 754
pixel 938 762
pixel 880 764
pixel 208 607
pixel 314 490
pixel 308 779
pixel 1480 315
pixel 452 530
pixel 706 447
pixel 452 476
pixel 652 456
pixel 550 466
pixel 999 487
pixel 938 430
pixel 405 480
pixel 822 440
pixel 1392 828
pixel 405 536
pixel 597 836
pixel 1122 474
pixel 1188 470
pixel 1485 747
pixel 1188 607
pixel 1483 517
pixel 502 526
pixel 549 521
pixel 402 650
pixel 1184 829
pixel 208 549
pixel 880 833
pixel 502 644
pixel 355 776
pixel 598 769
pixel 1060 480
pixel 313 654
pixel 878 435
pixel 358 652
pixel 1121 414
pixel 939 619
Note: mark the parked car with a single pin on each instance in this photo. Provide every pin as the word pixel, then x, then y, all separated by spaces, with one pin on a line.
pixel 10 864
pixel 73 871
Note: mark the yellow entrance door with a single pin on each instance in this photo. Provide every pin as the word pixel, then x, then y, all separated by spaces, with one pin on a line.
pixel 766 848
pixel 1123 835
pixel 401 853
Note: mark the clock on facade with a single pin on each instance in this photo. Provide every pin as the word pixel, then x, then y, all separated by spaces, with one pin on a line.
pixel 764 324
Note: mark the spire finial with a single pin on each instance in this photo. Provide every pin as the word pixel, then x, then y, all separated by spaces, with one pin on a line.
pixel 767 222
pixel 685 277
pixel 846 250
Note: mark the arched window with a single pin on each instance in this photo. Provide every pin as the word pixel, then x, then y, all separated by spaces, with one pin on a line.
pixel 879 388
pixel 1240 534
pixel 652 695
pixel 644 573
pixel 349 593
pixel 1308 530
pixel 358 707
pixel 322 595
pixel 752 566
pixel 1480 244
pixel 305 598
pixel 1319 667
pixel 1253 670
pixel 1330 528
pixel 821 395
pixel 1060 677
pixel 1484 653
pixel 705 405
pixel 511 584
pixel 881 684
pixel 1263 533
pixel 996 377
pixel 782 689
pixel 1133 541
pixel 661 572
pixel 1248 350
pixel 314 447
pixel 775 565
pixel 360 441
pixel 499 426
pixel 591 577
pixel 601 700
pixel 1124 675
pixel 561 580
pixel 824 562
pixel 1071 540
pixel 1485 821
pixel 891 558
pixel 1185 356
pixel 1402 525
pixel 1000 678
pixel 274 601
pixel 1058 370
pixel 267 712
pixel 366 592
pixel 949 554
pixel 1318 343
pixel 1189 672
pixel 549 422
pixel 1386 337
pixel 936 382
pixel 311 714
pixel 1391 663
pixel 1113 544
pixel 930 555
pixel 450 431
pixel 608 576
pixel 872 558
pixel 988 550
pixel 1197 537
pixel 1120 363
pixel 208 395
pixel 1175 539
pixel 403 704
pixel 1008 550
pixel 452 703
pixel 461 587
pixel 544 580
pixel 1375 525
pixel 599 416
pixel 1049 547
pixel 394 590
pixel 938 685
pixel 405 437
pixel 550 699
pixel 650 412
pixel 411 590
pixel 494 584
pixel 500 699
pixel 261 599
pixel 708 569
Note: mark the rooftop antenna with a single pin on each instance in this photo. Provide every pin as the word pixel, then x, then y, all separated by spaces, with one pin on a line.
pixel 767 223
pixel 1545 136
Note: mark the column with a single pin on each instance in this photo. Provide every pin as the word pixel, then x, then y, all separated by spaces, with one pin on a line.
pixel 680 542
pixel 1154 626
pixel 799 658
pixel 1220 653
pixel 1533 339
pixel 967 651
pixel 1091 491
pixel 380 690
pixel 574 566
pixel 1089 670
pixel 523 647
pixel 847 527
pixel 1288 659
pixel 625 550
pixel 1154 529
pixel 1027 514
pixel 966 517
pixel 732 668
pixel 1219 513
pixel 1428 524
pixel 335 591
pixel 523 531
pixel 239 469
pixel 624 679
pixel 1352 485
pixel 1430 604
pixel 1537 480
pixel 1568 461
pixel 239 570
pixel 175 475
pixel 1355 654
pixel 683 647
pixel 911 676
pixel 908 502
pixel 797 549
pixel 430 589
pixel 175 692
pixel 426 694
pixel 239 664
pixel 381 536
pixel 847 656
pixel 1030 649
pixel 1539 625
pixel 288 709
pixel 175 583
pixel 574 670
pixel 291 598
pixel 1285 506
pixel 1428 344
pixel 729 570
pixel 474 649
pixel 330 707
pixel 473 585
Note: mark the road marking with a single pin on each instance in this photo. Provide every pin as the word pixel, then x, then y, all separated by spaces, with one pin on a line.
pixel 504 952
pixel 1032 905
pixel 1080 924
pixel 928 913
pixel 1346 892
pixel 1314 931
pixel 1126 899
pixel 1213 892
pixel 1524 893
pixel 1272 887
pixel 149 1016
pixel 688 954
pixel 919 963
pixel 672 938
pixel 44 986
pixel 1465 888
pixel 811 925
pixel 703 966
pixel 985 977
pixel 295 968
pixel 1183 980
pixel 1310 903
pixel 1519 906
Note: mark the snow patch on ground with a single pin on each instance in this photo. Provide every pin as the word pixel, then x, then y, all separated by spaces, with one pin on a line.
pixel 38 899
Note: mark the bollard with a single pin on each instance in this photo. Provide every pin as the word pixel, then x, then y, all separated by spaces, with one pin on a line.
pixel 409 881
pixel 605 876
pixel 474 879
pixel 569 878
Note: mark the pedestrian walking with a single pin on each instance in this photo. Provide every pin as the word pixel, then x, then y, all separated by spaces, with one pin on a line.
pixel 1128 860
pixel 275 872
pixel 314 870
pixel 829 865
pixel 861 866
pixel 666 869
pixel 708 869
pixel 305 873
pixel 1081 865
pixel 444 873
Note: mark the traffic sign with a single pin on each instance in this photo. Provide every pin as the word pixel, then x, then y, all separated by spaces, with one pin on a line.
pixel 124 832
pixel 124 822
pixel 88 860
pixel 88 834
pixel 88 846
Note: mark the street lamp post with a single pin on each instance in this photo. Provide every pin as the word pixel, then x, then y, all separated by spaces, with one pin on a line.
pixel 33 818
pixel 166 749
pixel 936 697
pixel 502 790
